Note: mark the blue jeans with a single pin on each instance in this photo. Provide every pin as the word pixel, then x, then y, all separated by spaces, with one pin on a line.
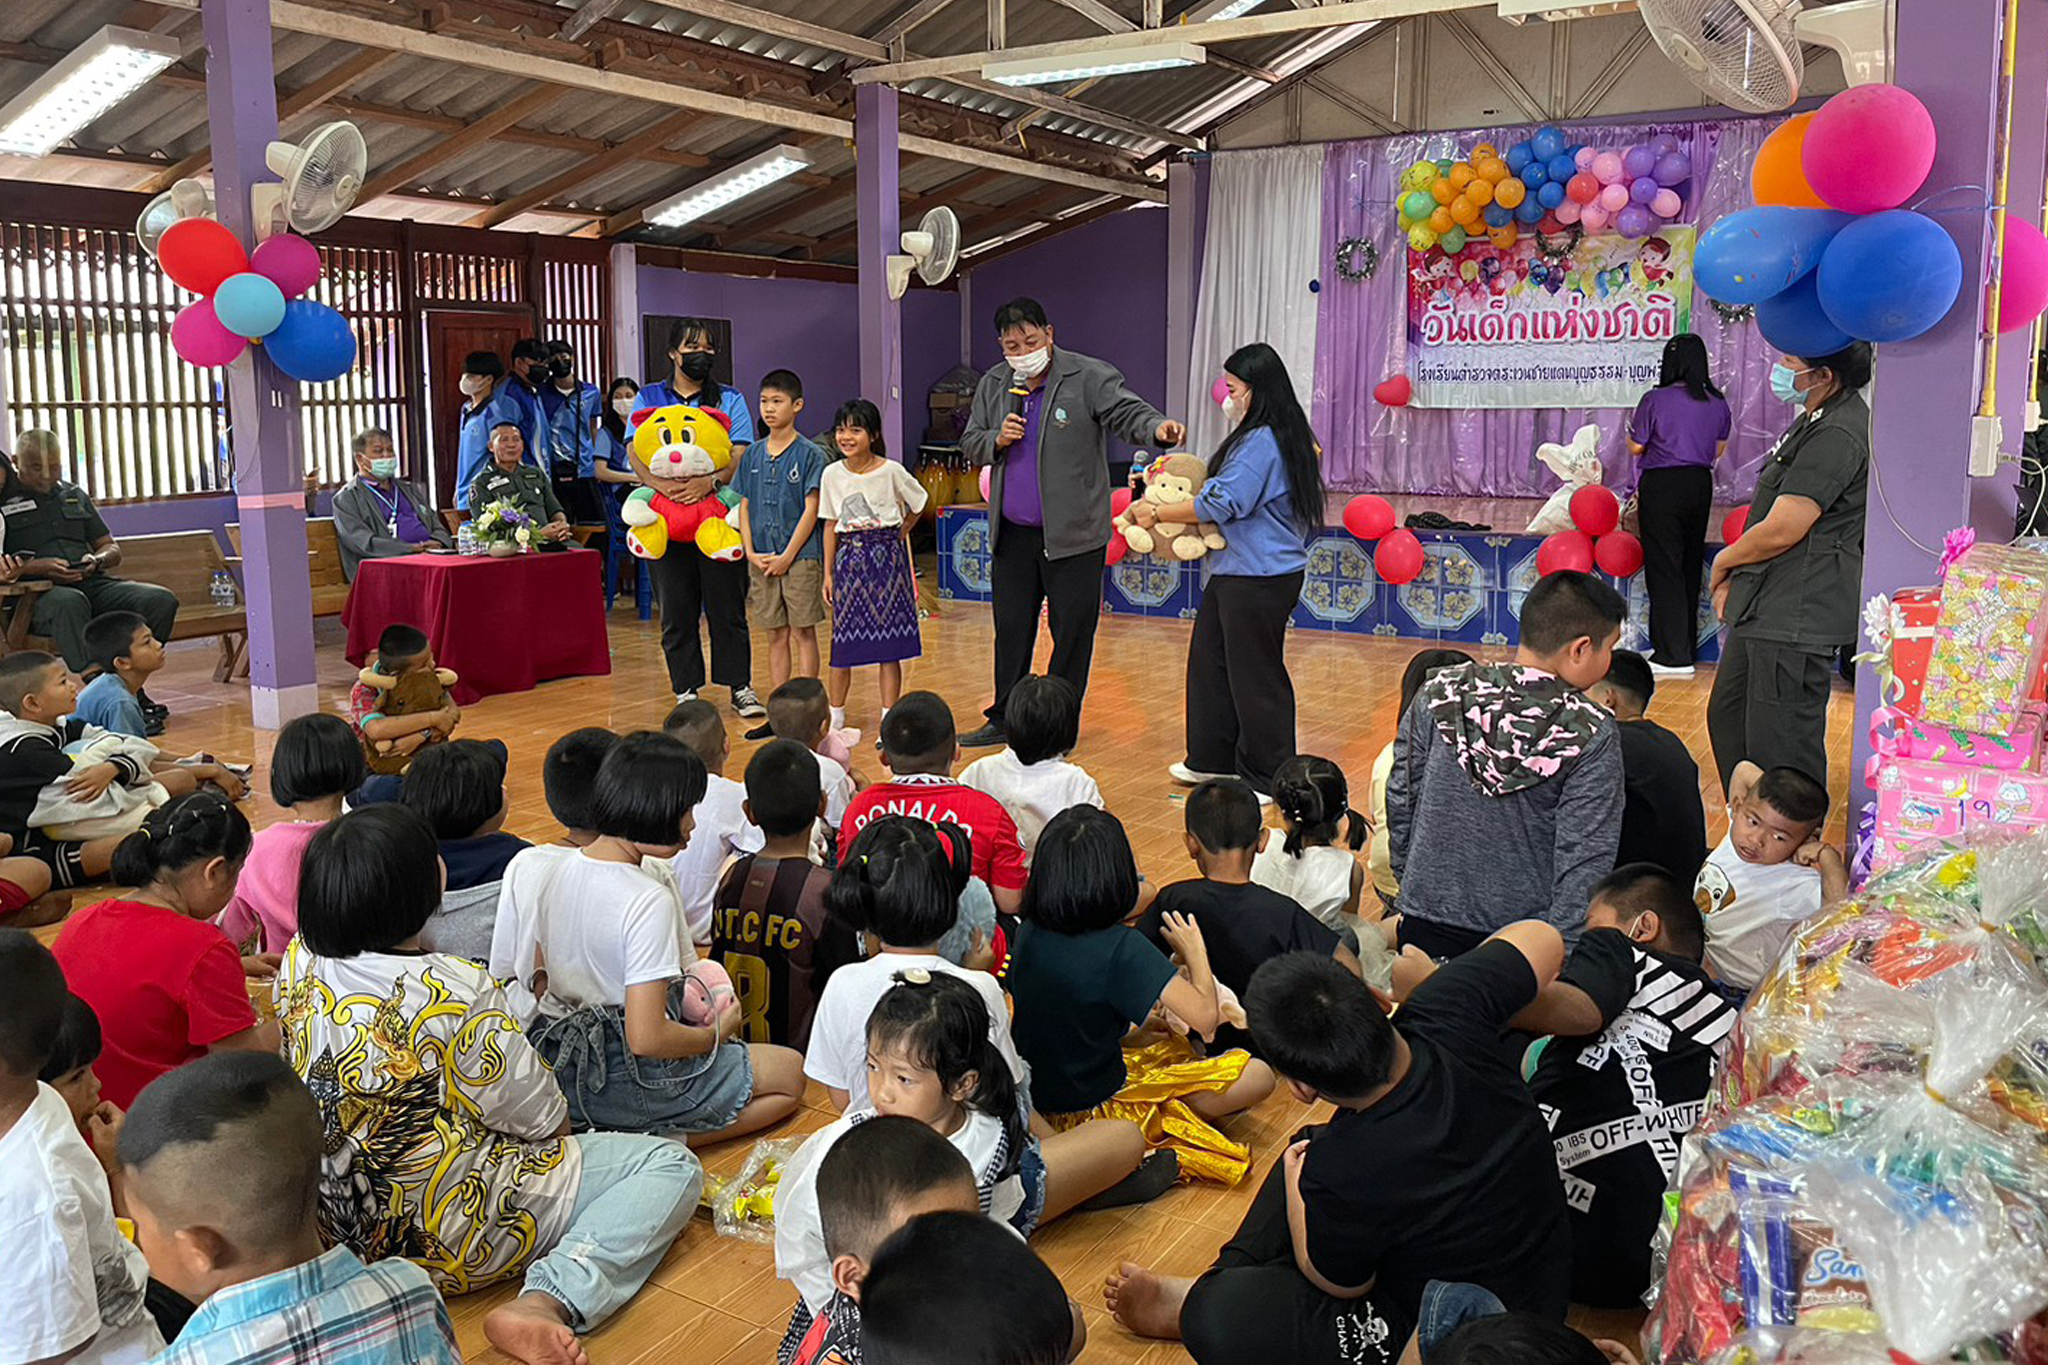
pixel 1448 1305
pixel 636 1194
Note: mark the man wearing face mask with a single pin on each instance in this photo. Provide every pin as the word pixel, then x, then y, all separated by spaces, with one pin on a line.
pixel 1788 587
pixel 485 404
pixel 529 378
pixel 1041 419
pixel 571 407
pixel 377 514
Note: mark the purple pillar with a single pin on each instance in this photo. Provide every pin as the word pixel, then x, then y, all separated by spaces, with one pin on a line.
pixel 1927 389
pixel 1183 281
pixel 881 317
pixel 263 404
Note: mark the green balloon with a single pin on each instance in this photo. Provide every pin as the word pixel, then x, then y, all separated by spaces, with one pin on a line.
pixel 1421 237
pixel 1444 165
pixel 1453 241
pixel 1419 204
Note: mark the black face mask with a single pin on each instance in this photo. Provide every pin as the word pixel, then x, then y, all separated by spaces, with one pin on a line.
pixel 561 366
pixel 696 365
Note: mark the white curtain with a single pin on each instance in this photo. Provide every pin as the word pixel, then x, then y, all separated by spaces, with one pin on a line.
pixel 1264 250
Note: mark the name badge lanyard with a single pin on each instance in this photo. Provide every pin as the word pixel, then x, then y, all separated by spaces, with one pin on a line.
pixel 390 507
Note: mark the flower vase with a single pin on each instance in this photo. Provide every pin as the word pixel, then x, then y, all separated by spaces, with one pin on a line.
pixel 502 549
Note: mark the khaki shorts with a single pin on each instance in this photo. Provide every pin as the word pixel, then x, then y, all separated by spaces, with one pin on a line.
pixel 796 599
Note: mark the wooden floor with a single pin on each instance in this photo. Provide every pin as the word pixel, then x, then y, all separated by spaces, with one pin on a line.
pixel 718 1300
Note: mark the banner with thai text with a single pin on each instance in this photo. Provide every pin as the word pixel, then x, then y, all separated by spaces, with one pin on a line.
pixel 1560 320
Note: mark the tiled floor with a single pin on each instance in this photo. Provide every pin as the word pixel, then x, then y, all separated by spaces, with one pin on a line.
pixel 716 1300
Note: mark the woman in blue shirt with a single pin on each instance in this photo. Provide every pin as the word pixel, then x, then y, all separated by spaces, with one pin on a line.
pixel 686 583
pixel 1265 490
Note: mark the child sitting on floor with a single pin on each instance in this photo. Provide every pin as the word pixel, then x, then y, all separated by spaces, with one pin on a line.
pixel 74 1285
pixel 1010 1311
pixel 873 1180
pixel 401 650
pixel 222 1163
pixel 121 645
pixel 770 928
pixel 1082 979
pixel 316 762
pixel 1316 865
pixel 1663 820
pixel 798 710
pixel 1421 664
pixel 69 1072
pixel 458 788
pixel 167 984
pixel 722 829
pixel 1032 777
pixel 437 1091
pixel 1769 873
pixel 601 948
pixel 568 781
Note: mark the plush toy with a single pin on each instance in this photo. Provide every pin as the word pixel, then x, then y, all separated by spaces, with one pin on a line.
pixel 682 442
pixel 410 695
pixel 1578 464
pixel 1169 481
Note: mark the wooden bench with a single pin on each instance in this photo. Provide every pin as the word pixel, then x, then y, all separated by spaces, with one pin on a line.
pixel 323 556
pixel 185 562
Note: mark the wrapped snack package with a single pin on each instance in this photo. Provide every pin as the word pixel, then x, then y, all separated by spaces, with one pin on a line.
pixel 743 1205
pixel 1914 612
pixel 1989 641
pixel 2019 751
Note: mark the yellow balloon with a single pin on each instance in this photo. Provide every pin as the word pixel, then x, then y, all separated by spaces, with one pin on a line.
pixel 1479 193
pixel 1421 237
pixel 1464 212
pixel 1444 191
pixel 1442 220
pixel 1510 192
pixel 1419 176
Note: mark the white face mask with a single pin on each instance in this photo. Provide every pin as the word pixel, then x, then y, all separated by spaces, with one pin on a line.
pixel 474 384
pixel 623 406
pixel 1031 364
pixel 1233 408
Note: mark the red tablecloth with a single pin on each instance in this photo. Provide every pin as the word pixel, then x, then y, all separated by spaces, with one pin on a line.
pixel 503 624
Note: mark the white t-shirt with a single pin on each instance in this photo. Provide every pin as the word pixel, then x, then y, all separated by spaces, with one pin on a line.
pixel 839 1030
pixel 1032 792
pixel 67 1275
pixel 1751 911
pixel 865 502
pixel 838 788
pixel 1319 881
pixel 601 927
pixel 722 832
pixel 800 1255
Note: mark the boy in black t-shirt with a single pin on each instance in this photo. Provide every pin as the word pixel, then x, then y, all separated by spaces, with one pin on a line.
pixel 1663 820
pixel 1638 1025
pixel 1435 1166
pixel 1242 923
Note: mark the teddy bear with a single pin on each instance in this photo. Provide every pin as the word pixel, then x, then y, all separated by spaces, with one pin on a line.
pixel 409 694
pixel 681 442
pixel 1578 464
pixel 1169 481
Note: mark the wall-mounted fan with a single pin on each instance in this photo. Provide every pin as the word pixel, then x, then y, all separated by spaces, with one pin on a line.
pixel 1743 53
pixel 932 250
pixel 321 178
pixel 186 199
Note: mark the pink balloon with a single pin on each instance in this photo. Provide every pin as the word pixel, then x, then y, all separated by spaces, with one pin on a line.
pixel 1869 149
pixel 1614 198
pixel 1568 212
pixel 199 339
pixel 2023 289
pixel 1584 157
pixel 1606 168
pixel 1594 218
pixel 1219 391
pixel 288 261
pixel 1667 204
pixel 984 483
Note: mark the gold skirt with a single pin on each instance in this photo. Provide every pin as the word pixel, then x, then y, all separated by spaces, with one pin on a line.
pixel 1157 1077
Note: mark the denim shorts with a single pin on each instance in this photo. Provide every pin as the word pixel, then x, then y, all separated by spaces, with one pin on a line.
pixel 1030 1171
pixel 612 1090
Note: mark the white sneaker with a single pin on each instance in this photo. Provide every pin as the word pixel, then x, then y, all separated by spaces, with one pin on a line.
pixel 1669 671
pixel 747 704
pixel 1188 777
pixel 682 697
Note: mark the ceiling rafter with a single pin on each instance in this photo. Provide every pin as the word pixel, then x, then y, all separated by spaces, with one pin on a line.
pixel 899 28
pixel 777 26
pixel 951 193
pixel 583 20
pixel 475 131
pixel 584 172
pixel 1046 102
pixel 1039 232
pixel 314 93
pixel 1100 15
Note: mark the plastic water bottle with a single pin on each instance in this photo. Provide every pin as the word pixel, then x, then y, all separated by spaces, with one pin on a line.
pixel 223 588
pixel 465 539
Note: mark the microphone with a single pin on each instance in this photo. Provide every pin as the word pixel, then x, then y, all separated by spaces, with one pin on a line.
pixel 1018 393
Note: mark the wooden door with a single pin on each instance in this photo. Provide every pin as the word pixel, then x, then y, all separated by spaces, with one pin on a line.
pixel 451 336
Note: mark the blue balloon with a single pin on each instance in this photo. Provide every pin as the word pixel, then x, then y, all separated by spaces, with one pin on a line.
pixel 1550 196
pixel 1748 257
pixel 1535 173
pixel 1518 157
pixel 313 344
pixel 248 304
pixel 1498 217
pixel 1889 276
pixel 1795 323
pixel 1563 168
pixel 1529 212
pixel 1574 150
pixel 1548 143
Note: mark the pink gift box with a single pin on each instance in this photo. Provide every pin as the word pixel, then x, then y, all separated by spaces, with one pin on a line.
pixel 1990 640
pixel 2018 751
pixel 1919 803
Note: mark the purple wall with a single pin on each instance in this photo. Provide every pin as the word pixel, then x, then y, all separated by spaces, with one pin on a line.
pixel 812 327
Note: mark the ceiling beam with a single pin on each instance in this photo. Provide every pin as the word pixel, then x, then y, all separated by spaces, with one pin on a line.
pixel 306 98
pixel 583 20
pixel 1149 191
pixel 945 196
pixel 1245 69
pixel 1100 15
pixel 775 25
pixel 524 137
pixel 414 169
pixel 583 172
pixel 1039 107
pixel 899 28
pixel 1051 227
pixel 1351 104
pixel 1638 43
pixel 1338 14
pixel 1490 62
pixel 1045 102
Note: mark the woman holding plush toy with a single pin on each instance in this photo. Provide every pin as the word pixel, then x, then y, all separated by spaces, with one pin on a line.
pixel 1264 494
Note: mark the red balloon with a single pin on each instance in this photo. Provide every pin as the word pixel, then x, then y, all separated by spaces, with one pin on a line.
pixel 1394 392
pixel 1118 548
pixel 198 253
pixel 1565 550
pixel 1595 510
pixel 1119 501
pixel 1368 516
pixel 1583 188
pixel 1618 553
pixel 1398 558
pixel 1734 525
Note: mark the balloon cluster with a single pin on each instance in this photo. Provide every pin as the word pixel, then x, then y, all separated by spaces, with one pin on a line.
pixel 1829 255
pixel 245 298
pixel 1547 184
pixel 1398 558
pixel 1598 543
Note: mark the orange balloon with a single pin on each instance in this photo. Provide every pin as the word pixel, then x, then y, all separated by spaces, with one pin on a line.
pixel 1480 193
pixel 1462 175
pixel 1484 152
pixel 1444 190
pixel 1503 238
pixel 1442 220
pixel 1777 177
pixel 1464 212
pixel 1510 192
pixel 1493 170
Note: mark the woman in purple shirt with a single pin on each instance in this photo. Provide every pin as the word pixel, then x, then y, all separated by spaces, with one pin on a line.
pixel 1679 429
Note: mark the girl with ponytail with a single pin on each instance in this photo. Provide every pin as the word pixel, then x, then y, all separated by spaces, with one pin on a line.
pixel 1317 865
pixel 166 983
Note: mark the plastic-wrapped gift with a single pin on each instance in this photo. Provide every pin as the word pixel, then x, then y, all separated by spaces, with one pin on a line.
pixel 1907 737
pixel 1989 641
pixel 1914 612
pixel 1921 804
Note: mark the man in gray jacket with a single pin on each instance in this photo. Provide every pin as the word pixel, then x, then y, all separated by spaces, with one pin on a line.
pixel 376 514
pixel 1042 419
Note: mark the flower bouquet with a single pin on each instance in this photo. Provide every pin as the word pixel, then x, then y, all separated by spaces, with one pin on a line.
pixel 503 528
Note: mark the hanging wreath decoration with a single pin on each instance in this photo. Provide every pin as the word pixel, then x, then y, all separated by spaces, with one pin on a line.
pixel 1357 259
pixel 1572 233
pixel 1733 314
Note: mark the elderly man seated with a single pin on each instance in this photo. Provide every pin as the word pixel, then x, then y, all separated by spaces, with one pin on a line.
pixel 506 478
pixel 377 514
pixel 55 525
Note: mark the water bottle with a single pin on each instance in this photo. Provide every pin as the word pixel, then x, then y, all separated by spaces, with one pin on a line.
pixel 223 588
pixel 465 539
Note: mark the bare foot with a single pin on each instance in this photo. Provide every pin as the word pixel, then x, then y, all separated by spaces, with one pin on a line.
pixel 38 914
pixel 534 1328
pixel 1146 1303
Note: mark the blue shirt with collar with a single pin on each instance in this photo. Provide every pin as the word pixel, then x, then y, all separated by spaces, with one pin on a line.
pixel 332 1308
pixel 107 703
pixel 533 420
pixel 1248 499
pixel 571 418
pixel 473 443
pixel 731 401
pixel 776 487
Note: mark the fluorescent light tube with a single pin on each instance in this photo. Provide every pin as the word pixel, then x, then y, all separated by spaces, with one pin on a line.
pixel 710 195
pixel 1117 61
pixel 1230 9
pixel 85 83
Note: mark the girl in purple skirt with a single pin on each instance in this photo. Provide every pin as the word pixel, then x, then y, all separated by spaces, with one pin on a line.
pixel 867 503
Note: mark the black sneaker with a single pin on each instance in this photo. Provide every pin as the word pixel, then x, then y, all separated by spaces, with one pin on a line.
pixel 150 708
pixel 987 737
pixel 762 731
pixel 152 724
pixel 1155 1175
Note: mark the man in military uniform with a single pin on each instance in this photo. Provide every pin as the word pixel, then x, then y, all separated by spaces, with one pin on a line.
pixel 508 478
pixel 55 524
